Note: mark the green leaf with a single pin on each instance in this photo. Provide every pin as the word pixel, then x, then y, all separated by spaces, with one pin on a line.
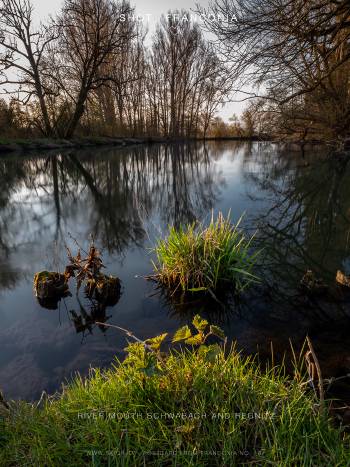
pixel 212 353
pixel 135 348
pixel 199 323
pixel 217 332
pixel 195 340
pixel 182 334
pixel 151 368
pixel 197 289
pixel 155 342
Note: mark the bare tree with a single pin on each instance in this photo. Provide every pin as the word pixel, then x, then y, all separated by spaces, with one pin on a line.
pixel 296 52
pixel 91 32
pixel 22 57
pixel 187 81
pixel 89 70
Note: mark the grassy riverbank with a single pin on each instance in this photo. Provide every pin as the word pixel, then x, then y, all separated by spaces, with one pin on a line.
pixel 193 408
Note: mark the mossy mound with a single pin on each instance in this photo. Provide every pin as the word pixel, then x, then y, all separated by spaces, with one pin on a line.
pixel 50 288
pixel 105 289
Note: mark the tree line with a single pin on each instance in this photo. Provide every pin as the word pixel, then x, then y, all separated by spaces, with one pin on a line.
pixel 92 69
pixel 292 59
pixel 88 70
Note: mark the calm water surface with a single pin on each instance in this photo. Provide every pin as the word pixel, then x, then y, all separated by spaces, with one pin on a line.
pixel 300 207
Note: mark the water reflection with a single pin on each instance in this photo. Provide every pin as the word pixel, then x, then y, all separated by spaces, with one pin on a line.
pixel 307 225
pixel 85 318
pixel 125 198
pixel 122 188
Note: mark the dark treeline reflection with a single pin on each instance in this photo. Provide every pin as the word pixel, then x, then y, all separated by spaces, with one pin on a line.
pixel 117 191
pixel 298 205
pixel 307 223
pixel 301 217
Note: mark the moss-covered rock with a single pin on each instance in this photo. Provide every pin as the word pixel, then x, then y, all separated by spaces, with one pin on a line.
pixel 105 289
pixel 49 288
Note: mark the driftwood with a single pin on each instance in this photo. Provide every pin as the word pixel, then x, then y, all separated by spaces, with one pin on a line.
pixel 128 333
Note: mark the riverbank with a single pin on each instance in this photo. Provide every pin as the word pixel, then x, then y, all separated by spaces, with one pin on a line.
pixel 47 144
pixel 25 145
pixel 203 407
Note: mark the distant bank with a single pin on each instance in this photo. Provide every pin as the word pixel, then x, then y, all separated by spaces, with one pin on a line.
pixel 23 145
pixel 46 144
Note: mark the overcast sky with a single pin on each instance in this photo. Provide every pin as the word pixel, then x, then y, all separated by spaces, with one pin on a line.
pixel 150 11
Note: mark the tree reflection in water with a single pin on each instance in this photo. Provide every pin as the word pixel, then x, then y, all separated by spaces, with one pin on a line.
pixel 110 195
pixel 39 193
pixel 307 225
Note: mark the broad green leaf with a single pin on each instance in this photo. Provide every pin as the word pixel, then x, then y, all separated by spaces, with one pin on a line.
pixel 217 331
pixel 135 348
pixel 212 353
pixel 195 340
pixel 155 342
pixel 150 369
pixel 182 334
pixel 199 323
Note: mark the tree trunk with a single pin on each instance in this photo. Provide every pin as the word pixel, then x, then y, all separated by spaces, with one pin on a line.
pixel 78 113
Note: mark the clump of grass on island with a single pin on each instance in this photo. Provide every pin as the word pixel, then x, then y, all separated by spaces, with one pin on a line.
pixel 200 407
pixel 211 258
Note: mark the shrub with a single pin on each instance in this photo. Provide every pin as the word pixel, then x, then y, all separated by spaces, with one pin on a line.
pixel 213 258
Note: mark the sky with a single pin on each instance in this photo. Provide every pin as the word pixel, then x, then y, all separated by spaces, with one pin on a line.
pixel 150 11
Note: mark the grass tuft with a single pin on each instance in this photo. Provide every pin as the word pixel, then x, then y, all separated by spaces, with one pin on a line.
pixel 197 258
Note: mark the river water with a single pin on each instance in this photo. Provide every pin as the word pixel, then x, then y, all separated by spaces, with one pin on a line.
pixel 298 205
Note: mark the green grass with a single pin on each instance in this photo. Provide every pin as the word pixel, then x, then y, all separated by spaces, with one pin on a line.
pixel 213 258
pixel 189 408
